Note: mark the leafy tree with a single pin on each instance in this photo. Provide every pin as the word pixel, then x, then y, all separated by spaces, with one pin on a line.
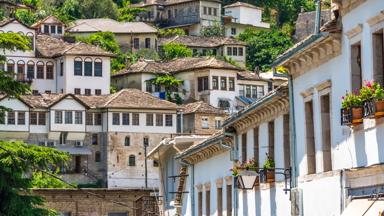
pixel 148 54
pixel 264 46
pixel 26 16
pixel 228 60
pixel 69 11
pixel 175 50
pixel 99 9
pixel 214 30
pixel 16 161
pixel 171 32
pixel 171 85
pixel 128 13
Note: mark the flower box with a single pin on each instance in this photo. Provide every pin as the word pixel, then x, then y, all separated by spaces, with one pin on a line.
pixel 352 116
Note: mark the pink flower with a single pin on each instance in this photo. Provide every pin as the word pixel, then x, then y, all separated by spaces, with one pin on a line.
pixel 342 97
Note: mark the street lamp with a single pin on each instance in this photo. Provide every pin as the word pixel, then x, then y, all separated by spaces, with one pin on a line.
pixel 247 179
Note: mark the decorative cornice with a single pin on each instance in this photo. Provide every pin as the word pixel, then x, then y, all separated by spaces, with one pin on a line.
pixel 376 19
pixel 219 182
pixel 354 31
pixel 347 5
pixel 323 85
pixel 307 93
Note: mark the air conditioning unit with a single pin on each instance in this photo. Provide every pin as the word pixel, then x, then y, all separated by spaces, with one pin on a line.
pixel 297 202
pixel 79 143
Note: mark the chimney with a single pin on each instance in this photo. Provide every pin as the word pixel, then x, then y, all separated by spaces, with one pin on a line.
pixel 318 17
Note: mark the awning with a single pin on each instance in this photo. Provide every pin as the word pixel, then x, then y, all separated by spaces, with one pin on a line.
pixel 364 207
pixel 14 135
pixel 54 135
pixel 76 136
pixel 75 150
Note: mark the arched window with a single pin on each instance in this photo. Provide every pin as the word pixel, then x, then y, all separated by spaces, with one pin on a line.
pixel 87 67
pixel 31 70
pixel 20 33
pixel 40 70
pixel 127 141
pixel 31 37
pixel 78 64
pixel 97 156
pixel 20 70
pixel 132 160
pixel 49 71
pixel 11 66
pixel 98 67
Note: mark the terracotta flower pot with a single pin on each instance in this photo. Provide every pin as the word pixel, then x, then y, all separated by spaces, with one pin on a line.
pixel 357 115
pixel 379 108
pixel 270 176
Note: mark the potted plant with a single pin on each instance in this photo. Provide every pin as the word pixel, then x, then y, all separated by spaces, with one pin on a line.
pixel 372 95
pixel 246 174
pixel 269 169
pixel 353 105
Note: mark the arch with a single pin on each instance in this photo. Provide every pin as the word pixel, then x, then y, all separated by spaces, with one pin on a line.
pixel 10 61
pixel 11 66
pixel 21 33
pixel 21 62
pixel 88 67
pixel 87 59
pixel 97 156
pixel 30 69
pixel 49 70
pixel 98 67
pixel 132 160
pixel 40 70
pixel 78 66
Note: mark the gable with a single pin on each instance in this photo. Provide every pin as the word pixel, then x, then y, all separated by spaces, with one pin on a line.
pixel 68 103
pixel 16 26
pixel 13 103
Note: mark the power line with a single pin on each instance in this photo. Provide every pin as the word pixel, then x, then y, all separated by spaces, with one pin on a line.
pixel 72 185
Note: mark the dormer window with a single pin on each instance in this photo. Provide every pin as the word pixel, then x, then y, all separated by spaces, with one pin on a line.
pixel 46 29
pixel 53 29
pixel 59 30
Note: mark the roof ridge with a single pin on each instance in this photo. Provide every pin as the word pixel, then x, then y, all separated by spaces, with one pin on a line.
pixel 113 97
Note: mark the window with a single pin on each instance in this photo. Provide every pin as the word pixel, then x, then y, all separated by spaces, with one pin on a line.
pixel 53 29
pixel 58 117
pixel 223 83
pixel 97 91
pixel 254 91
pixel 310 138
pixel 215 82
pixel 61 68
pixel 175 11
pixel 231 83
pixel 20 71
pixel 244 147
pixel 147 43
pixel 68 117
pixel 155 163
pixel 207 202
pixel 168 120
pixel 149 119
pixel 202 83
pixel 125 119
pixel 356 67
pixel 256 145
pixel 378 54
pixel 218 123
pixel 136 43
pixel 241 51
pixel 326 132
pixel 260 91
pixel 35 92
pixel 98 64
pixel 11 66
pixel 209 11
pixel 148 87
pixel 77 91
pixel 233 31
pixel 219 201
pixel 169 14
pixel 46 29
pixel 59 29
pixel 87 91
pixel 78 66
pixel 204 122
pixel 2 118
pixel 88 67
pixel 49 71
pixel 229 51
pixel 116 118
pixel 135 119
pixel 132 160
pixel 63 137
pixel 40 70
pixel 47 91
pixel 234 51
pixel 33 118
pixel 157 88
pixel 127 141
pixel 229 200
pixel 248 92
pixel 11 118
pixel 204 10
pixel 214 11
pixel 97 118
pixel 224 104
pixel 97 156
pixel 95 139
pixel 271 139
pixel 89 119
pixel 200 203
pixel 42 118
pixel 78 117
pixel 159 119
pixel 30 70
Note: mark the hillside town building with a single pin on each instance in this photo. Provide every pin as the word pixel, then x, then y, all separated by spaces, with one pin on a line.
pixel 208 46
pixel 55 66
pixel 132 36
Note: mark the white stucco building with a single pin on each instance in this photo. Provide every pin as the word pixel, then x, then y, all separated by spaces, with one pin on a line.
pixel 337 167
pixel 55 66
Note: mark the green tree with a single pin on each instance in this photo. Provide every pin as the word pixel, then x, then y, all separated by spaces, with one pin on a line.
pixel 99 9
pixel 26 16
pixel 171 85
pixel 264 46
pixel 171 32
pixel 128 13
pixel 175 50
pixel 215 30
